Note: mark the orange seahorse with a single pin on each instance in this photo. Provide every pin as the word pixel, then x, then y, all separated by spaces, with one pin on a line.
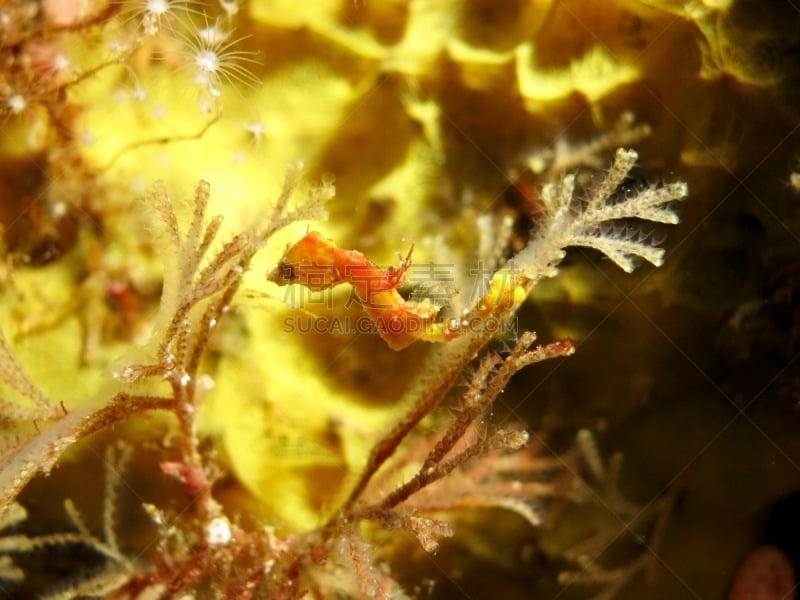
pixel 319 264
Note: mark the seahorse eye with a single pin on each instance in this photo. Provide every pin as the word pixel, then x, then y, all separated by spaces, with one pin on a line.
pixel 283 274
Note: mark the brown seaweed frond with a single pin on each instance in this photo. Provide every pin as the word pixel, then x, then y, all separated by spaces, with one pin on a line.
pixel 117 567
pixel 197 292
pixel 463 441
pixel 414 478
pixel 641 527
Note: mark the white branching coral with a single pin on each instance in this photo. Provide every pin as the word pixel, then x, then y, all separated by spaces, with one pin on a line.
pixel 565 156
pixel 599 222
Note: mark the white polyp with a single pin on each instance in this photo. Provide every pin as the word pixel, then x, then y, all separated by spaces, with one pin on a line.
pixel 212 35
pixel 157 8
pixel 231 8
pixel 257 130
pixel 205 383
pixel 218 532
pixel 60 63
pixel 207 61
pixel 58 209
pixel 16 103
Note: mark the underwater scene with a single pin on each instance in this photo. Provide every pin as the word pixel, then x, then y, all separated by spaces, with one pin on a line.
pixel 383 299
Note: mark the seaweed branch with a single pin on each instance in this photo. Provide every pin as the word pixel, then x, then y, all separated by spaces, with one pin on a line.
pixel 453 449
pixel 117 568
pixel 195 296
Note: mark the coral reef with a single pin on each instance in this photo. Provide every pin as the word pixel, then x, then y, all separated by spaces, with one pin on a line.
pixel 406 434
